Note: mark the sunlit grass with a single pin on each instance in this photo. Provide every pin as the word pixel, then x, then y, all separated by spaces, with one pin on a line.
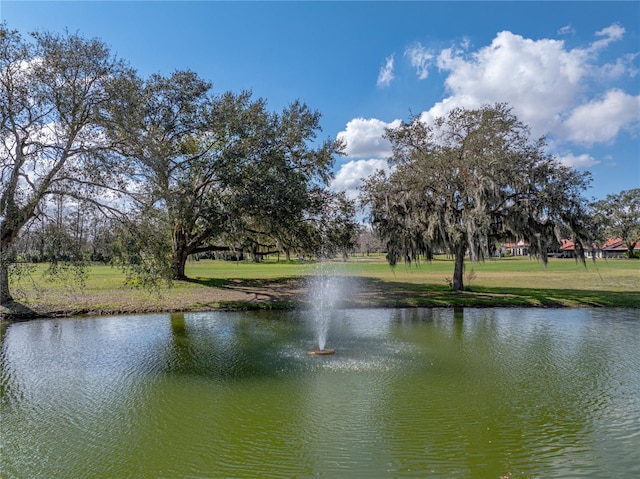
pixel 518 281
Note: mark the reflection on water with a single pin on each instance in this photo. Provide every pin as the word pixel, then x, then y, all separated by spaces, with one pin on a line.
pixel 410 393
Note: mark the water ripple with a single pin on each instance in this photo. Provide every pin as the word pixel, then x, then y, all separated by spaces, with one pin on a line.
pixel 415 393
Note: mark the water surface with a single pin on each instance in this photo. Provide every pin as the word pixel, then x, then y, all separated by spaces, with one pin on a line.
pixel 409 393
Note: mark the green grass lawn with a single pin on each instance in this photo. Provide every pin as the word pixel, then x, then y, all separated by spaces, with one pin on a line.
pixel 517 281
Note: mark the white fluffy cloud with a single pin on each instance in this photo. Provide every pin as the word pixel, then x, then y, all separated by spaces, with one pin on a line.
pixel 421 59
pixel 577 161
pixel 385 77
pixel 364 138
pixel 559 92
pixel 566 30
pixel 350 175
pixel 545 83
pixel 611 34
pixel 538 78
pixel 549 86
pixel 600 120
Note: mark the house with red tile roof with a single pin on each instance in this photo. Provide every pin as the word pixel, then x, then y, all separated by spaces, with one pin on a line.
pixel 616 248
pixel 611 248
pixel 568 250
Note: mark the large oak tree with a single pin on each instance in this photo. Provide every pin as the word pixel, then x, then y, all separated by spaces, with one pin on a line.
pixel 467 181
pixel 220 172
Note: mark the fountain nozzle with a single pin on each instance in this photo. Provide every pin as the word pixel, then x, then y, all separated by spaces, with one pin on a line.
pixel 321 352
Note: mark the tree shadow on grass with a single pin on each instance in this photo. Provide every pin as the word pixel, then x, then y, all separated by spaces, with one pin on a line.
pixel 210 282
pixel 392 293
pixel 358 292
pixel 16 311
pixel 288 292
pixel 566 297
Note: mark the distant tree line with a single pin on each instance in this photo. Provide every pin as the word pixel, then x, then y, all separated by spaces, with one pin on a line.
pixel 77 233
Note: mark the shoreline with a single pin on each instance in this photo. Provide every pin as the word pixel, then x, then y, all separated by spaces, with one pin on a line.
pixel 287 300
pixel 221 286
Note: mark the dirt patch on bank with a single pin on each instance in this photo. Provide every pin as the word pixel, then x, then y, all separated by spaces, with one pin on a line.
pixel 209 295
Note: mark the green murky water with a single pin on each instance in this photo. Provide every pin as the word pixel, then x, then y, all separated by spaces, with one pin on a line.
pixel 409 393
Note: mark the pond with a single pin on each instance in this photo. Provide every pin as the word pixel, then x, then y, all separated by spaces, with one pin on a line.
pixel 473 393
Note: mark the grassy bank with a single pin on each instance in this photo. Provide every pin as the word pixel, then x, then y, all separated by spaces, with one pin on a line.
pixel 505 282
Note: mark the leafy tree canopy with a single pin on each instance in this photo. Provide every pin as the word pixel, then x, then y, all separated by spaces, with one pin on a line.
pixel 222 171
pixel 618 216
pixel 467 181
pixel 181 171
pixel 53 92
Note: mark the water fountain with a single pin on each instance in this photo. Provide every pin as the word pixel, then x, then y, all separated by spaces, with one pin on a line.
pixel 324 292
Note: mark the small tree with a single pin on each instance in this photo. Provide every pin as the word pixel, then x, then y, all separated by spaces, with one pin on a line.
pixel 618 216
pixel 368 241
pixel 467 181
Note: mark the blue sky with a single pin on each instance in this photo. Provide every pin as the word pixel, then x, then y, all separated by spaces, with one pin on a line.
pixel 571 70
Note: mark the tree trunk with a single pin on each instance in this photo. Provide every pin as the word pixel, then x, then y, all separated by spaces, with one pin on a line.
pixel 630 248
pixel 5 295
pixel 458 271
pixel 8 234
pixel 179 264
pixel 180 254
